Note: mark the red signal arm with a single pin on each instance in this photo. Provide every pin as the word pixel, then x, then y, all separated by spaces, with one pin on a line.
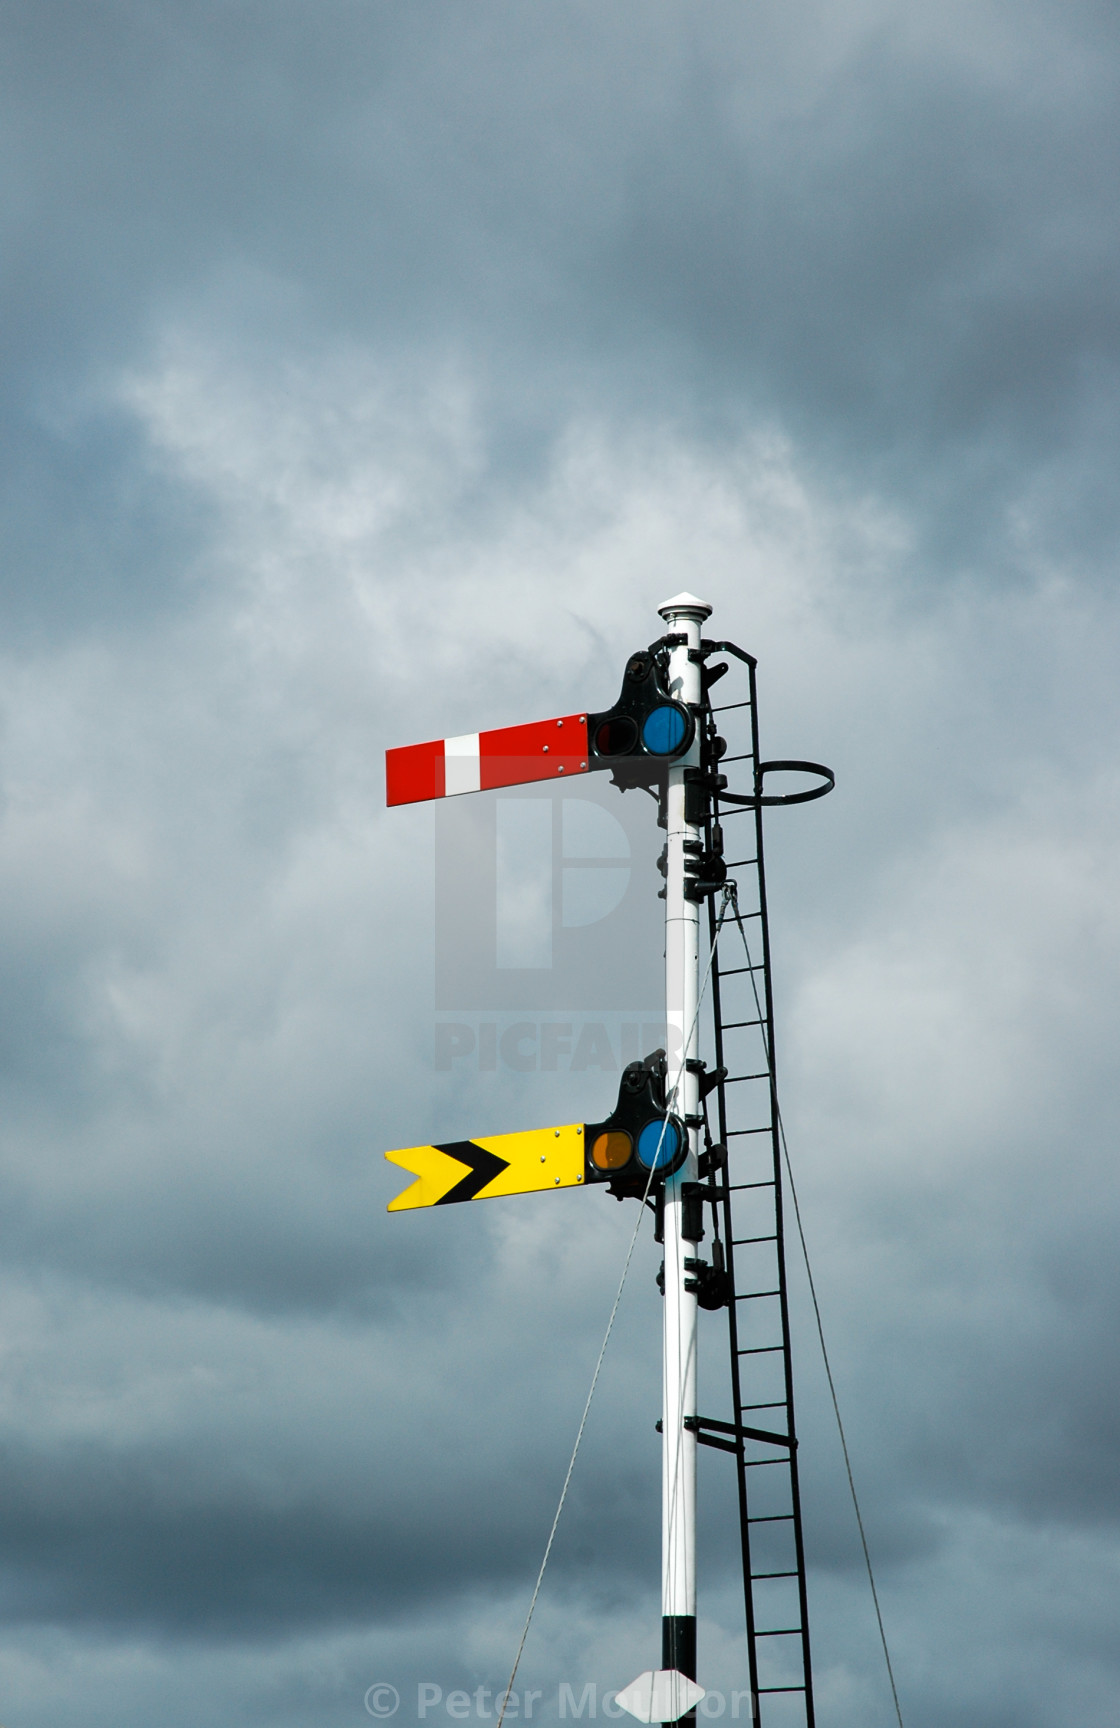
pixel 480 761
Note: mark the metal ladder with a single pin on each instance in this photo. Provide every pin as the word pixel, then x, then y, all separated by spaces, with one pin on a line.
pixel 743 1185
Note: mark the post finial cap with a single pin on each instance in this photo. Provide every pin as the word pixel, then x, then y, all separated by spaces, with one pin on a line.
pixel 684 606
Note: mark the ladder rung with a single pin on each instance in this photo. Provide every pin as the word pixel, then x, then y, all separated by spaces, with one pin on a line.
pixel 741 1133
pixel 780 1632
pixel 738 863
pixel 738 1025
pixel 773 1518
pixel 734 971
pixel 757 1464
pixel 743 1241
pixel 761 1350
pixel 800 1688
pixel 751 1295
pixel 755 1575
pixel 740 1187
pixel 728 707
pixel 747 756
pixel 734 1079
pixel 779 1404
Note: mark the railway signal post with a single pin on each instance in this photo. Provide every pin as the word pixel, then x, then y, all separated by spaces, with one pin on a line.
pixel 657 1145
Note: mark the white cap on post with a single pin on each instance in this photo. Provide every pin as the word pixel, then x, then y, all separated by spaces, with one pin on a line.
pixel 684 606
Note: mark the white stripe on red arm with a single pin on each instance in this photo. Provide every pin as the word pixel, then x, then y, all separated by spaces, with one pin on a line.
pixel 480 761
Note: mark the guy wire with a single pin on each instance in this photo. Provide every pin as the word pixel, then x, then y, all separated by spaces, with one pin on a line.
pixel 728 900
pixel 820 1325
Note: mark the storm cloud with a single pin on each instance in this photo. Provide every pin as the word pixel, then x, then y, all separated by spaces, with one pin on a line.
pixel 370 374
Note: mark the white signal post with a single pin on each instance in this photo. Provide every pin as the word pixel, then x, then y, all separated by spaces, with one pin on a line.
pixel 510 1164
pixel 684 615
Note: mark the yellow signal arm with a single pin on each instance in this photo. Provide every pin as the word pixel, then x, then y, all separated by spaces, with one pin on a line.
pixel 490 1166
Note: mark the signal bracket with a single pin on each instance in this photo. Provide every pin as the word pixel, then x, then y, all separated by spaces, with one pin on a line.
pixel 692 1211
pixel 698 1424
pixel 715 1158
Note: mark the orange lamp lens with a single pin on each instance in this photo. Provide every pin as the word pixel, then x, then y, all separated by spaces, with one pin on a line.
pixel 611 1151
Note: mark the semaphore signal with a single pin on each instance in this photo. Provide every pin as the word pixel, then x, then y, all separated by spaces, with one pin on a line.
pixel 644 730
pixel 640 1141
pixel 658 1144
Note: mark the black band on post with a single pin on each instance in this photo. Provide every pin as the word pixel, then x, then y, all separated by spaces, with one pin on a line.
pixel 678 1649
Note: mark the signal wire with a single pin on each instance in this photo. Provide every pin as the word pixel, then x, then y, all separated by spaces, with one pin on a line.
pixel 820 1329
pixel 728 900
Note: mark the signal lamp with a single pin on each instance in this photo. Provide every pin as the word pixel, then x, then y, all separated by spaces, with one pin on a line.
pixel 612 1150
pixel 658 1144
pixel 640 1144
pixel 616 736
pixel 664 728
pixel 645 729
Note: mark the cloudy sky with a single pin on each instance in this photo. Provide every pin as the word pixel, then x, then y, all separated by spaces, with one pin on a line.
pixel 370 372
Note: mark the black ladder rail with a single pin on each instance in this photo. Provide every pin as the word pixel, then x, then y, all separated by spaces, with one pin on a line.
pixel 739 1442
pixel 758 1011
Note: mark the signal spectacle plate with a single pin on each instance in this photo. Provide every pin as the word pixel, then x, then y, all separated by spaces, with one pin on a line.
pixel 617 736
pixel 659 1143
pixel 612 1150
pixel 664 729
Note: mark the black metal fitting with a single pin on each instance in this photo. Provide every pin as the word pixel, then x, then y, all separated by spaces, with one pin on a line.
pixel 647 728
pixel 700 785
pixel 692 1211
pixel 715 1158
pixel 710 1284
pixel 704 869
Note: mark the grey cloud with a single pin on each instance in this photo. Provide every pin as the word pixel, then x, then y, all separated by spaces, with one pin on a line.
pixel 895 251
pixel 370 375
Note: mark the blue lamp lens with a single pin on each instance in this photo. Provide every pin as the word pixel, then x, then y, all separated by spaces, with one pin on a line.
pixel 658 1144
pixel 663 731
